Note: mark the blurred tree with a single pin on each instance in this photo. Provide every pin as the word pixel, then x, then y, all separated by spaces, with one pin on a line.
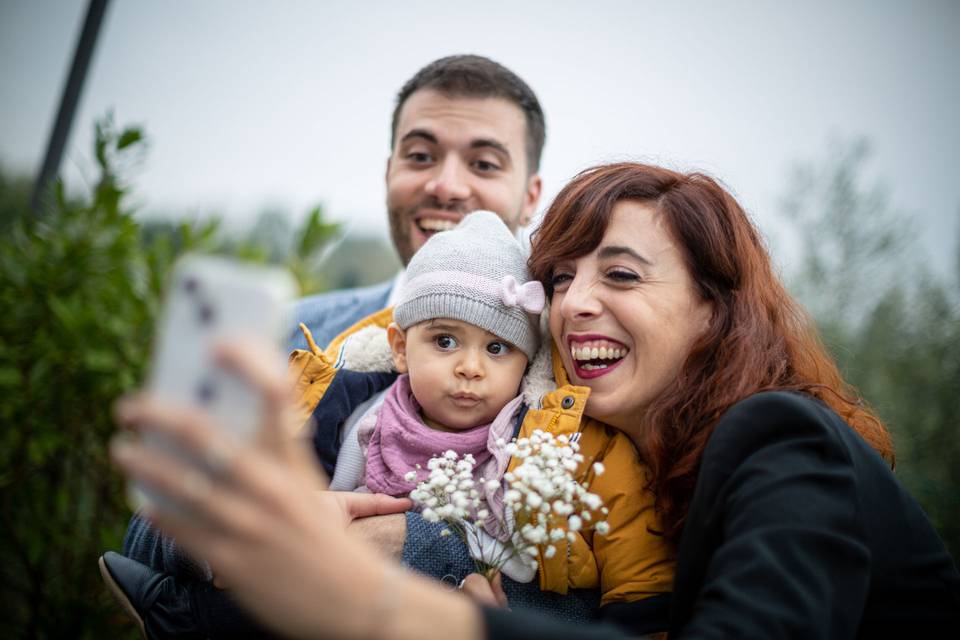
pixel 15 193
pixel 851 237
pixel 80 287
pixel 893 326
pixel 79 293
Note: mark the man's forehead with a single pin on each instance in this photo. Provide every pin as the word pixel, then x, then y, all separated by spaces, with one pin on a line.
pixel 462 119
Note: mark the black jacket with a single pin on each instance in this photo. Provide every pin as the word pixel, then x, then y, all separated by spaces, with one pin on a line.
pixel 797 529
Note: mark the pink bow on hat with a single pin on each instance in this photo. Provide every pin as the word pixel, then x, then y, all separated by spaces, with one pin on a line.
pixel 529 295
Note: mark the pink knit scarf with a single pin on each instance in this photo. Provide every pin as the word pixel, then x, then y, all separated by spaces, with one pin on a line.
pixel 401 441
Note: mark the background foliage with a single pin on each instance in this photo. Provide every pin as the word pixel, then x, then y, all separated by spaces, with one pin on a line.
pixel 892 324
pixel 80 286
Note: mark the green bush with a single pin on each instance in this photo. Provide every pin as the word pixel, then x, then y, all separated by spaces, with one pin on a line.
pixel 80 286
pixel 892 324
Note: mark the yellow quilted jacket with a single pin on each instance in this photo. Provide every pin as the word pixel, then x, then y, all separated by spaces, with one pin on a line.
pixel 627 564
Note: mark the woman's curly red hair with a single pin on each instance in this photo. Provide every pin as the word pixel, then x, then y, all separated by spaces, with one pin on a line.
pixel 759 338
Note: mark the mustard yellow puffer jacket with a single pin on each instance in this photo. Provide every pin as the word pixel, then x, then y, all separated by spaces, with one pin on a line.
pixel 629 563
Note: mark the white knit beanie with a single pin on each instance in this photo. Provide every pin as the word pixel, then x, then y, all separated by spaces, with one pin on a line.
pixel 475 273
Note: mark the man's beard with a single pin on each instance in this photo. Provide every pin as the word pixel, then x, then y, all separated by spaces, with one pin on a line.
pixel 402 223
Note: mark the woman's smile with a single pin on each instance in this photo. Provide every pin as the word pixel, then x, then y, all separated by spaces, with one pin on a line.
pixel 594 355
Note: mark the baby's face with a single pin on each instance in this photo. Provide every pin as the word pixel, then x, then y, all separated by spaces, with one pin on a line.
pixel 461 375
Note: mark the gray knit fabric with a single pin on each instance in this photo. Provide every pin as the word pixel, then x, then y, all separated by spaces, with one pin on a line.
pixel 481 245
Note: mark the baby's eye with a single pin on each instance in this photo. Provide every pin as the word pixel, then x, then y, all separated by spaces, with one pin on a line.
pixel 498 348
pixel 445 342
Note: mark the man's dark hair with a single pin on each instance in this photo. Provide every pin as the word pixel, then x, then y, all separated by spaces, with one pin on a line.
pixel 471 76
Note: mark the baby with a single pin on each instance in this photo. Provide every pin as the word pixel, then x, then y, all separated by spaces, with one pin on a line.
pixel 465 327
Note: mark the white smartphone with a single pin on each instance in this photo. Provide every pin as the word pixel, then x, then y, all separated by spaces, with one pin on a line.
pixel 210 300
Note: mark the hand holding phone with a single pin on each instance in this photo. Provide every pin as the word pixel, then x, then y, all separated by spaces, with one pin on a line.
pixel 211 300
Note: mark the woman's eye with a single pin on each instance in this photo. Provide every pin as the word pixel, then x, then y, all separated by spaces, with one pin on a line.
pixel 619 275
pixel 560 280
pixel 445 342
pixel 498 348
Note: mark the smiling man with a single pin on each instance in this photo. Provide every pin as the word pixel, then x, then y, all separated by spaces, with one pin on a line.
pixel 467 134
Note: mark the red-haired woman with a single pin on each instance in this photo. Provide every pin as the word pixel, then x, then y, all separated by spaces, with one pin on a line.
pixel 771 476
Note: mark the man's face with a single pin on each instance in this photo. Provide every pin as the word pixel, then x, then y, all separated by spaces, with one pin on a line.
pixel 453 156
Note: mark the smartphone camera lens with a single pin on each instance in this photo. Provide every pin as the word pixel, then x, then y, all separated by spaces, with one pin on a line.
pixel 206 314
pixel 206 392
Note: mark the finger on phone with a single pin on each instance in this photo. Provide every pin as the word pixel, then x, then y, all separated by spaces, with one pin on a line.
pixel 479 589
pixel 190 429
pixel 256 362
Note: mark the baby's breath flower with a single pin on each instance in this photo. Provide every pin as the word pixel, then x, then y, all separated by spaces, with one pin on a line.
pixel 562 508
pixel 598 468
pixel 550 505
pixel 602 527
pixel 410 476
pixel 592 500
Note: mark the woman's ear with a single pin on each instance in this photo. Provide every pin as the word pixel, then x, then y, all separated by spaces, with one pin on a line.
pixel 397 338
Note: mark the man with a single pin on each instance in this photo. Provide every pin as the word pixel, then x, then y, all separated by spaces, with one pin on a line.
pixel 467 134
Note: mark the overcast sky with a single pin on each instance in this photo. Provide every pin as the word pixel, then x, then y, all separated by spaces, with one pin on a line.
pixel 249 104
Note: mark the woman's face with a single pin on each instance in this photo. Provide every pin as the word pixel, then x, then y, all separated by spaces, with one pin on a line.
pixel 625 315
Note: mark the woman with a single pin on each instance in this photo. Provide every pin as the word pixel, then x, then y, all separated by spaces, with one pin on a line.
pixel 770 475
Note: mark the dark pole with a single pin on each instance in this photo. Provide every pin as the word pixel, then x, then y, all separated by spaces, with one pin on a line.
pixel 68 103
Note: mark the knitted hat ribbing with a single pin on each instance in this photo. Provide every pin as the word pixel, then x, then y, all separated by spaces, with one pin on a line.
pixel 475 273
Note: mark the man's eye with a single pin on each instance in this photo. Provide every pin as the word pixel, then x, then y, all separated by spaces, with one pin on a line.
pixel 498 348
pixel 486 166
pixel 445 342
pixel 419 156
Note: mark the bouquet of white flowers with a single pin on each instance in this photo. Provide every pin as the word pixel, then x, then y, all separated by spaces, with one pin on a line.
pixel 544 506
